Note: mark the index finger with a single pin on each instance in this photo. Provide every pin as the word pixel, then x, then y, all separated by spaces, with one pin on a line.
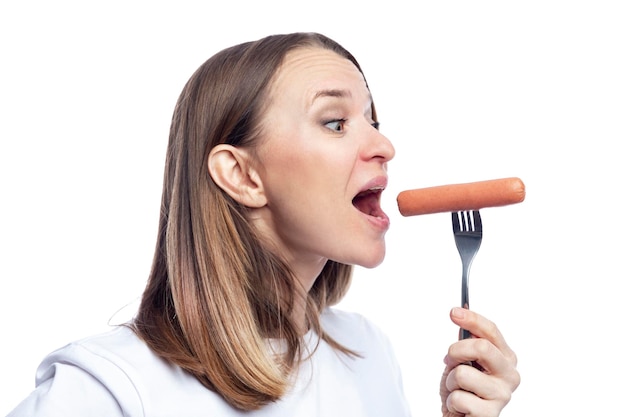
pixel 483 328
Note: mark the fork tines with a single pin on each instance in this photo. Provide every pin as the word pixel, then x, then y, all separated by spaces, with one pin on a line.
pixel 466 221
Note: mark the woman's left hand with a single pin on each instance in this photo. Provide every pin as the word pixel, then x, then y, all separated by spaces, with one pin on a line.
pixel 468 391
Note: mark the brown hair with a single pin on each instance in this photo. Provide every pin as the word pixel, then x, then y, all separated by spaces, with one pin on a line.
pixel 215 291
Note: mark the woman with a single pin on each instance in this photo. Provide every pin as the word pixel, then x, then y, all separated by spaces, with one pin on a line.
pixel 273 177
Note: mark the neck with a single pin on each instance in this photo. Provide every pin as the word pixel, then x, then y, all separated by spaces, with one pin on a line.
pixel 298 315
pixel 306 277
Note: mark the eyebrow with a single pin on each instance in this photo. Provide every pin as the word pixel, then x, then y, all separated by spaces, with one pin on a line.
pixel 331 93
pixel 337 93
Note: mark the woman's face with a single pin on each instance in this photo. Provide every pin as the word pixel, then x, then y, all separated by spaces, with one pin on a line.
pixel 323 164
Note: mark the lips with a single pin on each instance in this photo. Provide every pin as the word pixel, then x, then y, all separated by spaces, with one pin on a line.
pixel 367 201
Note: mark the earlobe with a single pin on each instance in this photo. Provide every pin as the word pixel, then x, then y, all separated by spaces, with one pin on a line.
pixel 231 170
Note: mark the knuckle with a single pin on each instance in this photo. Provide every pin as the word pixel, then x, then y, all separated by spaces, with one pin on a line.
pixel 516 380
pixel 491 329
pixel 504 395
pixel 453 400
pixel 494 409
pixel 462 375
pixel 484 348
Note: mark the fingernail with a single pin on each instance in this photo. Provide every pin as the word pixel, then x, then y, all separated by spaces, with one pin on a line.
pixel 458 313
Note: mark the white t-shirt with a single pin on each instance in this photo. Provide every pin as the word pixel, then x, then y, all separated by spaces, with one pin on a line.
pixel 116 374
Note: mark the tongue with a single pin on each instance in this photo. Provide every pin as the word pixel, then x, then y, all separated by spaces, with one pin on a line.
pixel 367 203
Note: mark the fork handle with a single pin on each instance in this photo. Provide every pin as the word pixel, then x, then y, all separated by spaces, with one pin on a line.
pixel 464 334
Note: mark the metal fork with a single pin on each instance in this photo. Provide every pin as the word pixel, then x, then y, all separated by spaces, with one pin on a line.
pixel 468 234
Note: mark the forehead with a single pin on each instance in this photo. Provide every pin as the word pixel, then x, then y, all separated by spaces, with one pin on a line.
pixel 310 70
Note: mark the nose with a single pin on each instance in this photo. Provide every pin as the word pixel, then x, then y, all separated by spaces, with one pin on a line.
pixel 379 146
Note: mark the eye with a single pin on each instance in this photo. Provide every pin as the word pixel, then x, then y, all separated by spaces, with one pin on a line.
pixel 336 125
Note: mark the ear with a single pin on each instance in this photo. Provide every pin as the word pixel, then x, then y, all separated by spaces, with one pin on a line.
pixel 231 170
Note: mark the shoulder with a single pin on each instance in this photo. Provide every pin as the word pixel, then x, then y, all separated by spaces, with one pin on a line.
pixel 119 349
pixel 375 372
pixel 334 319
pixel 120 345
pixel 354 330
pixel 87 377
pixel 108 360
pixel 133 374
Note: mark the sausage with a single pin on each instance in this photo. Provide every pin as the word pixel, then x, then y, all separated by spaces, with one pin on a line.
pixel 458 197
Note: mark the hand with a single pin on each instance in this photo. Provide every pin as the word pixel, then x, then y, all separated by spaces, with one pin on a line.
pixel 467 390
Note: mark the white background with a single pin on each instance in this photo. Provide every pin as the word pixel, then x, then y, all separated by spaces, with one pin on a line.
pixel 466 90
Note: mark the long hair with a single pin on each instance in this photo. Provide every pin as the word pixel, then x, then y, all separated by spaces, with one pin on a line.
pixel 216 293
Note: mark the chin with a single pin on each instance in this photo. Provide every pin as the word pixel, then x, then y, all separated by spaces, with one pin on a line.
pixel 373 260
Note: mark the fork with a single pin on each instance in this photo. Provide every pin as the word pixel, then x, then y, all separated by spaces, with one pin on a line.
pixel 468 234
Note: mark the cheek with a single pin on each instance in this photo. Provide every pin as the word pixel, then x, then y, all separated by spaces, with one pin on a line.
pixel 285 176
pixel 305 191
pixel 306 169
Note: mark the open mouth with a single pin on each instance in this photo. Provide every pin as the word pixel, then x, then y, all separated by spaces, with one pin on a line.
pixel 368 202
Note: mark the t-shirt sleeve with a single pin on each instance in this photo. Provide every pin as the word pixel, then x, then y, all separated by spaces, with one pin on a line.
pixel 68 391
